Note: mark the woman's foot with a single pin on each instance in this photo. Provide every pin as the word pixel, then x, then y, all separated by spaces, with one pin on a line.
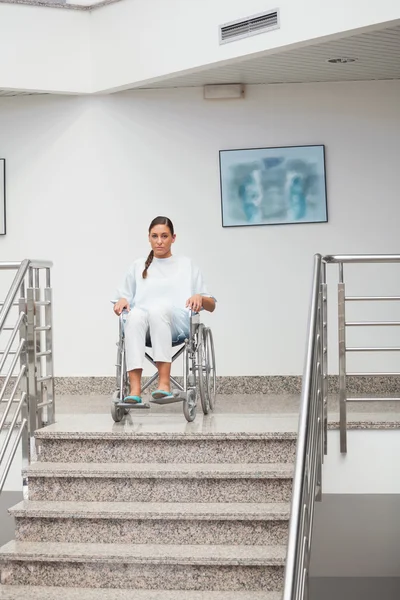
pixel 159 394
pixel 135 385
pixel 164 385
pixel 132 399
pixel 164 389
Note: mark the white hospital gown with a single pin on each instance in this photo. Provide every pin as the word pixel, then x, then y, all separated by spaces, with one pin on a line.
pixel 170 282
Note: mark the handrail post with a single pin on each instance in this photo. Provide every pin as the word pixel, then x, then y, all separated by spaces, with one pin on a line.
pixel 342 360
pixel 324 342
pixel 31 354
pixel 319 399
pixel 48 312
pixel 24 387
pixel 38 347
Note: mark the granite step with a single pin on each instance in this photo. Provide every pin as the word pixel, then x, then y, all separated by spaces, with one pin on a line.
pixel 21 592
pixel 144 566
pixel 150 482
pixel 119 445
pixel 152 523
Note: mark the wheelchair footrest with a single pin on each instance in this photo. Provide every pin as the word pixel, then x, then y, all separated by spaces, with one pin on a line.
pixel 130 405
pixel 167 400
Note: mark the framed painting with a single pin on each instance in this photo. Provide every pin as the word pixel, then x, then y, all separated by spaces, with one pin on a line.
pixel 273 186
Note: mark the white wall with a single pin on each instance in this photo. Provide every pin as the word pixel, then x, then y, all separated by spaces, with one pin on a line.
pixel 44 49
pixel 140 40
pixel 367 468
pixel 87 175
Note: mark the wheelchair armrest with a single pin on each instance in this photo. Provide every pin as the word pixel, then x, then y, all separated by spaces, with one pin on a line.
pixel 194 318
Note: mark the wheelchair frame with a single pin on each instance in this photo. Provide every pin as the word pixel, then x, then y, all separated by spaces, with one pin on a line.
pixel 199 374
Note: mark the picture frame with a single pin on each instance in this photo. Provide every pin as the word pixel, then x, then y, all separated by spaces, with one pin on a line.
pixel 282 185
pixel 2 196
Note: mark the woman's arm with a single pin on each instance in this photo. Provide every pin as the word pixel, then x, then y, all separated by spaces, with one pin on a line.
pixel 201 298
pixel 208 303
pixel 126 292
pixel 197 302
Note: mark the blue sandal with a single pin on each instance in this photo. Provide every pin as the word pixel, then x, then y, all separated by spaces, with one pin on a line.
pixel 132 400
pixel 159 394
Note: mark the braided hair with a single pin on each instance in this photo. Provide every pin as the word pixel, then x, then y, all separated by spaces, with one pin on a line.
pixel 156 221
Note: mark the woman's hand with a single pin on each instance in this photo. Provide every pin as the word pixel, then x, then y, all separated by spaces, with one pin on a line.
pixel 121 305
pixel 195 303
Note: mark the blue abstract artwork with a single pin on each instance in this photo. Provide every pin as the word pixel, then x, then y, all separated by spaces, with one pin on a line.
pixel 273 186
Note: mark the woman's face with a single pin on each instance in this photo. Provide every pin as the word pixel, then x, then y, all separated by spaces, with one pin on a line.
pixel 161 240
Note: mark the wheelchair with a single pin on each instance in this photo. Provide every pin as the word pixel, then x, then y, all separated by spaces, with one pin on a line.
pixel 199 373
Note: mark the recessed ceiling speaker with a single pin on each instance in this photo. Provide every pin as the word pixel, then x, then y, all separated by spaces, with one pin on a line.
pixel 342 60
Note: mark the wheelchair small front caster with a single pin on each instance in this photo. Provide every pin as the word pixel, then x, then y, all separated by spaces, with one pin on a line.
pixel 117 412
pixel 190 406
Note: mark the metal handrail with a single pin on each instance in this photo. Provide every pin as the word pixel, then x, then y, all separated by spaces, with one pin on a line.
pixel 23 268
pixel 30 355
pixel 343 324
pixel 311 443
pixel 7 350
pixel 14 289
pixel 34 264
pixel 7 381
pixel 361 258
pixel 312 432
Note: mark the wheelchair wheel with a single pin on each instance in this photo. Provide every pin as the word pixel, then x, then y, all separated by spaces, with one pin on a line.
pixel 117 412
pixel 189 406
pixel 202 368
pixel 210 369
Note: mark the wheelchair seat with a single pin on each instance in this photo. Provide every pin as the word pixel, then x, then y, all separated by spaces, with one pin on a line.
pixel 176 342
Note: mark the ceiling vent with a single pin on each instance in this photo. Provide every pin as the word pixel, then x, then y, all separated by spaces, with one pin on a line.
pixel 237 30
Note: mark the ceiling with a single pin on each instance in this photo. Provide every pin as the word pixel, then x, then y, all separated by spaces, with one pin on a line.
pixel 377 54
pixel 68 4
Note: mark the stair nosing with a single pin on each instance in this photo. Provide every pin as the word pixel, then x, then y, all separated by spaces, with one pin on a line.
pixel 162 470
pixel 192 436
pixel 165 554
pixel 152 511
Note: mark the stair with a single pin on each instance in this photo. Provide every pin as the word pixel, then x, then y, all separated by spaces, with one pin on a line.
pixel 145 566
pixel 151 522
pixel 167 446
pixel 150 514
pixel 171 482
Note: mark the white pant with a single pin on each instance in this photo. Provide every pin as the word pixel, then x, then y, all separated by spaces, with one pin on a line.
pixel 164 323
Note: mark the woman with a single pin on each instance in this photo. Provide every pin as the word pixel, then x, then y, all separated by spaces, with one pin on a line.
pixel 159 294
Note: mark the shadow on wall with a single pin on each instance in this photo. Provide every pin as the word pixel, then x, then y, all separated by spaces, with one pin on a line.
pixel 356 548
pixel 7 529
pixel 354 588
